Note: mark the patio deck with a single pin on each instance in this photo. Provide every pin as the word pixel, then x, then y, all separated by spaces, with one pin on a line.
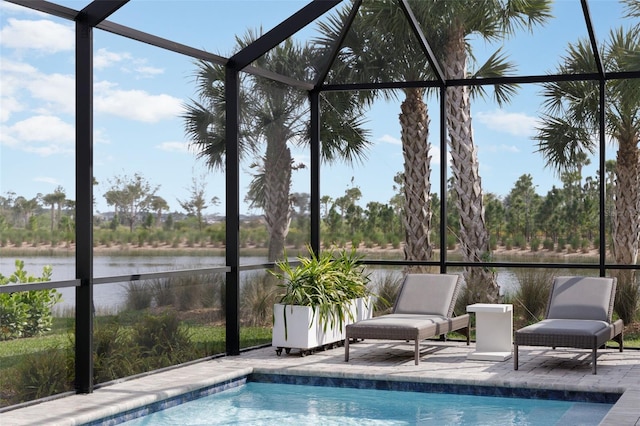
pixel 441 362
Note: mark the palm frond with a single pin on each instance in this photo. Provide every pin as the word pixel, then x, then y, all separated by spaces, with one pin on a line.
pixel 632 8
pixel 561 141
pixel 496 66
pixel 525 14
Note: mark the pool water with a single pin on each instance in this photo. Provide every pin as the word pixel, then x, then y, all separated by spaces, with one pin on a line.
pixel 287 404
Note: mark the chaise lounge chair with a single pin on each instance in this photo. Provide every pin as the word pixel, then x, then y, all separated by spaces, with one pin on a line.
pixel 423 310
pixel 578 316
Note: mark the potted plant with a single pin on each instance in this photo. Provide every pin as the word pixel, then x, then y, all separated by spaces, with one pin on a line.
pixel 320 296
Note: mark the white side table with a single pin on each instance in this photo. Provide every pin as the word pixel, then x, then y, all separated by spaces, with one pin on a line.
pixel 494 331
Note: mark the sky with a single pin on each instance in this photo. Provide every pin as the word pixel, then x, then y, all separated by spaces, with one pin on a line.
pixel 140 93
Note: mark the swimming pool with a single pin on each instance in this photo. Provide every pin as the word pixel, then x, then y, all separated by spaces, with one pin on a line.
pixel 286 400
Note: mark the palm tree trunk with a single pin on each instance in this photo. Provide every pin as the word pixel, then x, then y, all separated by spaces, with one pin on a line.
pixel 626 225
pixel 414 121
pixel 277 214
pixel 481 283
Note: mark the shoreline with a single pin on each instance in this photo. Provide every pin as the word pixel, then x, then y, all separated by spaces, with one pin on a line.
pixel 185 250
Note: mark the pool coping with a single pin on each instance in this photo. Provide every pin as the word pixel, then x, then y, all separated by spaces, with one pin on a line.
pixel 354 381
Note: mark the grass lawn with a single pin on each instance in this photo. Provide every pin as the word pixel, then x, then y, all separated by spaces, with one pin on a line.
pixel 209 338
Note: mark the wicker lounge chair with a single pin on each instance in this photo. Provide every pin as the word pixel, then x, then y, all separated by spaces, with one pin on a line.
pixel 423 310
pixel 578 316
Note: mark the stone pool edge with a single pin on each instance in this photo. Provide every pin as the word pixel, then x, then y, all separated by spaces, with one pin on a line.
pixel 156 401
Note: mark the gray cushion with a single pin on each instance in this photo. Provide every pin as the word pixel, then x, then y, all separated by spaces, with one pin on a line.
pixel 400 320
pixel 426 294
pixel 565 327
pixel 580 298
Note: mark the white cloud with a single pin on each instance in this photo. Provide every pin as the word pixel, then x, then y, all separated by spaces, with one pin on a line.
pixel 302 158
pixel 386 138
pixel 434 152
pixel 42 35
pixel 435 155
pixel 501 148
pixel 173 146
pixel 104 58
pixel 42 135
pixel 9 106
pixel 57 90
pixel 46 179
pixel 148 71
pixel 137 105
pixel 514 123
pixel 53 93
pixel 101 136
pixel 9 66
pixel 14 9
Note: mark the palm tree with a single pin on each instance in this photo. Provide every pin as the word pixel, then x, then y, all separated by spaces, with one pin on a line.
pixel 447 25
pixel 157 205
pixel 50 200
pixel 372 57
pixel 570 127
pixel 270 121
pixel 59 196
pixel 492 20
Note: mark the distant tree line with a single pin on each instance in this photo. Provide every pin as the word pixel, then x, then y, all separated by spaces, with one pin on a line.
pixel 566 217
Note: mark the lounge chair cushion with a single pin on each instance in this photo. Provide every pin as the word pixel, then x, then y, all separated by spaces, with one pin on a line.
pixel 585 298
pixel 397 326
pixel 406 326
pixel 436 299
pixel 566 327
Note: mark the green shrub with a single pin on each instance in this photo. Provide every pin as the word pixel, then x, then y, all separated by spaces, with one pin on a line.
pixel 520 241
pixel 532 294
pixel 508 245
pixel 627 295
pixel 139 295
pixel 114 356
pixel 356 240
pixel 257 296
pixel 378 238
pixel 386 289
pixel 585 246
pixel 26 313
pixel 395 242
pixel 452 240
pixel 163 341
pixel 188 292
pixel 575 244
pixel 535 244
pixel 162 290
pixel 42 374
pixel 13 317
pixel 493 243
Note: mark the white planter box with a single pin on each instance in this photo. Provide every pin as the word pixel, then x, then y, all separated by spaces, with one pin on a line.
pixel 303 330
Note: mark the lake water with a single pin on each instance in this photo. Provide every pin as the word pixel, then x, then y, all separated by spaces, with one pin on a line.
pixel 111 296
